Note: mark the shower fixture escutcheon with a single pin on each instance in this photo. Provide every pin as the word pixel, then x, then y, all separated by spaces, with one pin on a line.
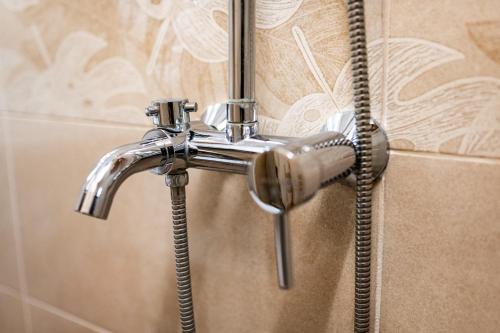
pixel 282 172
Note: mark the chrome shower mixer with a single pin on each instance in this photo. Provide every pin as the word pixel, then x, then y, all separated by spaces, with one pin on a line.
pixel 282 172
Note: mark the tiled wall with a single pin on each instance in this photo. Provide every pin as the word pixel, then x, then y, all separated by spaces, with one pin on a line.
pixel 74 76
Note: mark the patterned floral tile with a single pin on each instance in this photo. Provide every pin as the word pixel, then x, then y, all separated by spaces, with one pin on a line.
pixel 442 93
pixel 443 86
pixel 105 60
pixel 303 67
pixel 78 68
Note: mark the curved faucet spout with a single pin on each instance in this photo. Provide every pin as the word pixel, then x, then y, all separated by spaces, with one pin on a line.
pixel 102 183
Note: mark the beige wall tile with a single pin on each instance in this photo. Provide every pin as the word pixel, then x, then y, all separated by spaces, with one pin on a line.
pixel 11 314
pixel 441 245
pixel 117 273
pixel 443 87
pixel 8 264
pixel 234 273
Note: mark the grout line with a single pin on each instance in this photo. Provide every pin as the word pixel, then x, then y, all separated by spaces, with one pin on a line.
pixel 446 157
pixel 21 271
pixel 385 62
pixel 14 115
pixel 10 292
pixel 18 115
pixel 52 309
pixel 66 315
pixel 386 6
pixel 380 255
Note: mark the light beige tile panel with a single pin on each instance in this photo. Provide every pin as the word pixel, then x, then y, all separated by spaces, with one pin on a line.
pixel 234 274
pixel 11 314
pixel 117 274
pixel 42 316
pixel 441 245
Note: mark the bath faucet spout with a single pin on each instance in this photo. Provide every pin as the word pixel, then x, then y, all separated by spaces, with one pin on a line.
pixel 97 192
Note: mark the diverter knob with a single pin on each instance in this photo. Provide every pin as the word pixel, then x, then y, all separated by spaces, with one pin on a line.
pixel 171 113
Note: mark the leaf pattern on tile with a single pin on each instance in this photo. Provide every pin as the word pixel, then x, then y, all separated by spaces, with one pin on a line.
pixel 10 59
pixel 309 113
pixel 272 13
pixel 18 5
pixel 67 87
pixel 486 35
pixel 459 117
pixel 449 118
pixel 179 65
pixel 281 64
pixel 462 110
pixel 204 46
pixel 181 47
pixel 200 34
pixel 206 41
pixel 158 10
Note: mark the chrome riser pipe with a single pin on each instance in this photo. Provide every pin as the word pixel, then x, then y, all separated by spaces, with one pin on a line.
pixel 241 112
pixel 241 62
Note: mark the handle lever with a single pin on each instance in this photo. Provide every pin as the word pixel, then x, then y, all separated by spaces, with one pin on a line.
pixel 282 248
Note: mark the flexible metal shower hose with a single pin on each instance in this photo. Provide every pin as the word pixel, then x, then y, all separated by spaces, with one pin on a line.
pixel 364 179
pixel 184 295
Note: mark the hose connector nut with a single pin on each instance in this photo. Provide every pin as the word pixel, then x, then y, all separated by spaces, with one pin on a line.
pixel 177 179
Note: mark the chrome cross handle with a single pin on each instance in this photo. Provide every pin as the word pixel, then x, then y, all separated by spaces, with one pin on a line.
pixel 171 113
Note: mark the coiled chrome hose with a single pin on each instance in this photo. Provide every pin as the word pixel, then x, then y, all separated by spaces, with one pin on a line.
pixel 177 183
pixel 364 179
